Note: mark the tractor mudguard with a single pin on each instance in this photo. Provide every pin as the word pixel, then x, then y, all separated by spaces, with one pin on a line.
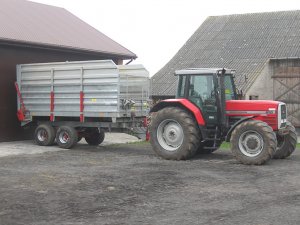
pixel 228 136
pixel 182 103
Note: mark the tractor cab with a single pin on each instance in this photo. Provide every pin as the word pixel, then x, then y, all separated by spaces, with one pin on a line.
pixel 203 88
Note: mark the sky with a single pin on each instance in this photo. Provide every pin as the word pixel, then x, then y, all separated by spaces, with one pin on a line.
pixel 156 29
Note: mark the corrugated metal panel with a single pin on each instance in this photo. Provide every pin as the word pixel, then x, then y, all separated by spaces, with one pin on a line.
pixel 104 84
pixel 244 42
pixel 135 85
pixel 34 23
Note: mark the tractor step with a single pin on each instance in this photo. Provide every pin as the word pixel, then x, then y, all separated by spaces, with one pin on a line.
pixel 210 148
pixel 212 139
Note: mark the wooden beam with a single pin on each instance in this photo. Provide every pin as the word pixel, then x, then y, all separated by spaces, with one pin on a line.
pixel 285 76
pixel 289 89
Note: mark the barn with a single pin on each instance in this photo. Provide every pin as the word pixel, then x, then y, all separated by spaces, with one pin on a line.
pixel 32 33
pixel 264 48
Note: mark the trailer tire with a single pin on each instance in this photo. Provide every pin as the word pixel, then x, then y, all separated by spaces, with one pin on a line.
pixel 66 137
pixel 287 143
pixel 95 137
pixel 44 135
pixel 174 134
pixel 253 142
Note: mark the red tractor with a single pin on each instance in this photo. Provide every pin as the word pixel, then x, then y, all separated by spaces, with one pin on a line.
pixel 206 112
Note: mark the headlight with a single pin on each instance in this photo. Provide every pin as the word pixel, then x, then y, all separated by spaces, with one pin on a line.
pixel 271 111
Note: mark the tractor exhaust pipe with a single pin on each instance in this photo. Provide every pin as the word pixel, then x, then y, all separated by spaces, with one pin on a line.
pixel 223 120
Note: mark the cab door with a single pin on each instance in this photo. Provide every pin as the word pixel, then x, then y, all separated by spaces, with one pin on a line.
pixel 201 91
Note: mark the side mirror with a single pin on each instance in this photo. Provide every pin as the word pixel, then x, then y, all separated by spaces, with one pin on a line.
pixel 239 94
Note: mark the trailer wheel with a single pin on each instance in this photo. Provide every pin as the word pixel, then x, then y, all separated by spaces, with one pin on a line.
pixel 174 134
pixel 253 142
pixel 66 137
pixel 44 135
pixel 95 137
pixel 287 143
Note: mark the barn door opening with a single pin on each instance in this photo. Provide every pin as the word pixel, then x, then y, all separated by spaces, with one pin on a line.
pixel 286 83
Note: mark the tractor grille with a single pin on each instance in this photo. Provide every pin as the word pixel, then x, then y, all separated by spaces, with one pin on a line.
pixel 282 116
pixel 283 112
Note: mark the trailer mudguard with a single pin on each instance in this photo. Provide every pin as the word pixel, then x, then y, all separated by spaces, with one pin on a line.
pixel 183 103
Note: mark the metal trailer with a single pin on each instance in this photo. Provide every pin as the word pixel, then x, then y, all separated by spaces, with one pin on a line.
pixel 71 100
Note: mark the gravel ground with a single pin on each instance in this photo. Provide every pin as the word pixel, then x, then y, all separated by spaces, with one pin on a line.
pixel 128 184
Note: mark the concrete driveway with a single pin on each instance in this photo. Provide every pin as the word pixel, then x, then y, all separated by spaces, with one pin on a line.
pixel 29 147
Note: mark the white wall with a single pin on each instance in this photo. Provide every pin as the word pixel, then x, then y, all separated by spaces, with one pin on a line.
pixel 262 86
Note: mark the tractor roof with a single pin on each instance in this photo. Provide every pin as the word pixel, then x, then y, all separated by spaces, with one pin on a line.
pixel 202 71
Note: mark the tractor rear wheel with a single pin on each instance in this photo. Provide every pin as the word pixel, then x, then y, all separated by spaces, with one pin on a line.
pixel 174 134
pixel 253 142
pixel 287 143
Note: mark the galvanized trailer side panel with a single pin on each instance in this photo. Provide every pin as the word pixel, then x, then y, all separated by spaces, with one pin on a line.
pixel 134 85
pixel 102 83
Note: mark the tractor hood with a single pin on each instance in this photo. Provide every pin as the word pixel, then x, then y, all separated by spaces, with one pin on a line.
pixel 272 112
pixel 250 106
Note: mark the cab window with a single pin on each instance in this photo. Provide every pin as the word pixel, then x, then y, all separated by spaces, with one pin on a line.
pixel 181 86
pixel 201 90
pixel 229 90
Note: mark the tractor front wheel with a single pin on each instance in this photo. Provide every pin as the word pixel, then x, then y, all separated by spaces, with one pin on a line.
pixel 174 134
pixel 253 142
pixel 287 143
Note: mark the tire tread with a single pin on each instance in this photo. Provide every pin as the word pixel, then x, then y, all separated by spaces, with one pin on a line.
pixel 190 127
pixel 290 144
pixel 270 138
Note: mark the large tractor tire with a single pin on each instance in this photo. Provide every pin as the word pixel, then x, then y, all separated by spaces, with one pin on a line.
pixel 66 137
pixel 253 142
pixel 95 137
pixel 44 135
pixel 174 134
pixel 287 143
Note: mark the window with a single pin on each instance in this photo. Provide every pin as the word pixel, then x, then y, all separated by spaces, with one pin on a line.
pixel 201 91
pixel 181 86
pixel 229 91
pixel 253 97
pixel 202 86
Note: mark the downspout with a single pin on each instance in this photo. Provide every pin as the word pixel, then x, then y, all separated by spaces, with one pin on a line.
pixel 129 61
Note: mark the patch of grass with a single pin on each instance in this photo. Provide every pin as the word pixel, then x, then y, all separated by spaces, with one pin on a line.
pixel 225 145
pixel 139 142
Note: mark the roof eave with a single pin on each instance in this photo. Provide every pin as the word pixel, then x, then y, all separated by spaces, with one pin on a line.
pixel 66 48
